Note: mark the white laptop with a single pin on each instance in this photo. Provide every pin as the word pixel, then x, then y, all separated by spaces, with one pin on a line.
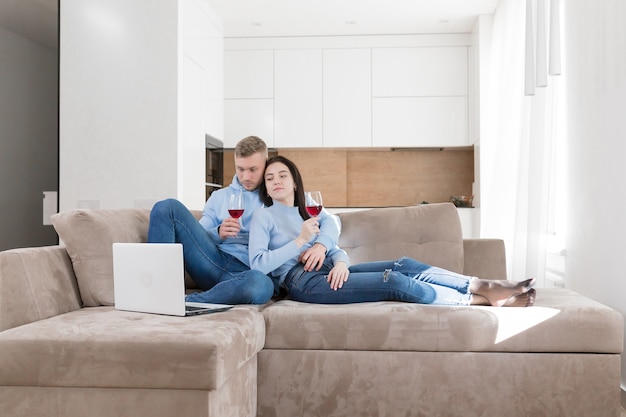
pixel 150 278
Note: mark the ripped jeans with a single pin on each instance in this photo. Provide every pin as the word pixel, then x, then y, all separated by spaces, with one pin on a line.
pixel 404 279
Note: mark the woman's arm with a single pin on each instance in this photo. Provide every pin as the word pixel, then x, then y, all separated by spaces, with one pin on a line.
pixel 330 226
pixel 263 257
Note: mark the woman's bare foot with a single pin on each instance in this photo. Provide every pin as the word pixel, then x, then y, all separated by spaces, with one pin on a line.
pixel 502 293
pixel 525 299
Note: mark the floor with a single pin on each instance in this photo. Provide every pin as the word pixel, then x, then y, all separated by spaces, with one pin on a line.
pixel 622 413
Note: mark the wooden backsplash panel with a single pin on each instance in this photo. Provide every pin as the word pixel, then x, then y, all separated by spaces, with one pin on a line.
pixel 379 177
pixel 229 166
pixel 323 170
pixel 407 177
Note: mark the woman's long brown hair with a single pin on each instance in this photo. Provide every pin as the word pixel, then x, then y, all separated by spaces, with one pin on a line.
pixel 299 200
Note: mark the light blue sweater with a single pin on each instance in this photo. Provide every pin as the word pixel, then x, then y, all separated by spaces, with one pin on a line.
pixel 273 231
pixel 216 210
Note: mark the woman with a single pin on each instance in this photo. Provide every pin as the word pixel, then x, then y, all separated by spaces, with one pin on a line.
pixel 283 230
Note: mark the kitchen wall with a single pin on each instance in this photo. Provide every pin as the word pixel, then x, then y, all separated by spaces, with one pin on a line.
pixel 28 139
pixel 363 116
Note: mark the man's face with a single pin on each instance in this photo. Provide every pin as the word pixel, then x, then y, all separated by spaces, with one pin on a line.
pixel 250 170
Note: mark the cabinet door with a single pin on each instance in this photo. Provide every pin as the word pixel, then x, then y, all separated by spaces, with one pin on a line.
pixel 214 114
pixel 248 94
pixel 248 74
pixel 248 117
pixel 200 99
pixel 192 129
pixel 419 72
pixel 419 121
pixel 347 98
pixel 298 98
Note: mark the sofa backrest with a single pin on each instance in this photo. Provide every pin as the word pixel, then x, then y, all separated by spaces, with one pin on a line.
pixel 430 233
pixel 35 283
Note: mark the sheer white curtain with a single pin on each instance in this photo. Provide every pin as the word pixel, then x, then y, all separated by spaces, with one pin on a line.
pixel 517 151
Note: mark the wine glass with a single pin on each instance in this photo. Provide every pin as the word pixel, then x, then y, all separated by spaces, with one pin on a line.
pixel 313 203
pixel 235 206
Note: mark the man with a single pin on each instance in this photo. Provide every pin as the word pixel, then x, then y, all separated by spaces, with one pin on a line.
pixel 215 248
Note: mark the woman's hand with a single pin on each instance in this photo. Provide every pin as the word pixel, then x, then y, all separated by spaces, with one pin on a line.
pixel 310 228
pixel 338 275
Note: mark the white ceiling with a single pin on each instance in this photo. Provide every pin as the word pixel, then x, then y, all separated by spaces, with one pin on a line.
pixel 348 17
pixel 38 19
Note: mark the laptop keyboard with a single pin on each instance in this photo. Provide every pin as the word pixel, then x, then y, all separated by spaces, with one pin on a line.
pixel 193 308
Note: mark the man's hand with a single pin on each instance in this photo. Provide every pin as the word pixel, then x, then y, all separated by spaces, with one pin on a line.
pixel 229 228
pixel 313 257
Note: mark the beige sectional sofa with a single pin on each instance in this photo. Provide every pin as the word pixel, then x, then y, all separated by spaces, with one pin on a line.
pixel 65 351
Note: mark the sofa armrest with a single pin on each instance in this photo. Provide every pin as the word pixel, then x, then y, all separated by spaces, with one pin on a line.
pixel 484 258
pixel 36 283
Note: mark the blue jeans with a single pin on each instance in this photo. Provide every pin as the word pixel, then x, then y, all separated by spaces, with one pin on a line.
pixel 223 277
pixel 404 279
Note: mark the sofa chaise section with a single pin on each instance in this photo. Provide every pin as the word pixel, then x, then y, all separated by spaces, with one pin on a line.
pixel 559 358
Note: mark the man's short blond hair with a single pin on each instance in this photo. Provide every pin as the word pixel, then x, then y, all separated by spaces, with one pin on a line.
pixel 249 146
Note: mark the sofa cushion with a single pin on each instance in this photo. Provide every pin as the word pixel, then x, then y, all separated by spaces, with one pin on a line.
pixel 104 347
pixel 560 321
pixel 88 236
pixel 430 233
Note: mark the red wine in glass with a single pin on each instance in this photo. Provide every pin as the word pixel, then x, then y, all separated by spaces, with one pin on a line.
pixel 313 203
pixel 314 210
pixel 236 206
pixel 235 213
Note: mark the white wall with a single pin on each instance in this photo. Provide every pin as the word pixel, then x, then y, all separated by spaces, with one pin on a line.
pixel 594 69
pixel 132 86
pixel 28 139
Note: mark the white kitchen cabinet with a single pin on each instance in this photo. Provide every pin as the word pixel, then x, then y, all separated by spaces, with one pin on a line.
pixel 248 96
pixel 249 74
pixel 191 128
pixel 203 48
pixel 419 122
pixel 214 101
pixel 347 98
pixel 248 117
pixel 407 91
pixel 298 98
pixel 419 72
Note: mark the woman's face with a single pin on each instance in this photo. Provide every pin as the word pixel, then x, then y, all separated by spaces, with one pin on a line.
pixel 279 183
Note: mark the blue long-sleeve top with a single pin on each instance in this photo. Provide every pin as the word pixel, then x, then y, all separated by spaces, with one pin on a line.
pixel 216 210
pixel 272 246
